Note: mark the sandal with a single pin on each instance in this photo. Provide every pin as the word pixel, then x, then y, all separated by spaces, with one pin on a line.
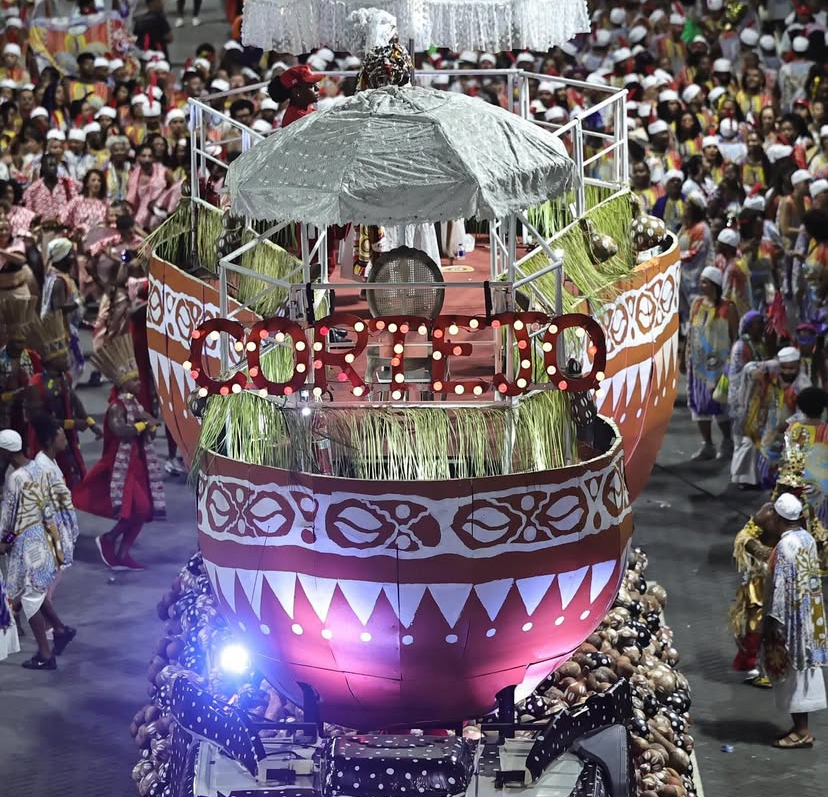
pixel 793 742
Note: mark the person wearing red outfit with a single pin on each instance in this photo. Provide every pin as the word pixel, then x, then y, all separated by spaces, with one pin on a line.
pixel 126 484
pixel 298 86
pixel 51 391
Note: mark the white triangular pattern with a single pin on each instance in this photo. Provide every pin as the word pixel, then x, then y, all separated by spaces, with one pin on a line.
pixel 251 581
pixel 672 352
pixel 284 588
pixel 645 370
pixel 568 584
pixel 533 590
pixel 226 577
pixel 631 378
pixel 361 596
pixel 659 367
pixel 410 597
pixel 160 366
pixel 493 595
pixel 319 592
pixel 450 598
pixel 600 576
pixel 618 382
pixel 212 575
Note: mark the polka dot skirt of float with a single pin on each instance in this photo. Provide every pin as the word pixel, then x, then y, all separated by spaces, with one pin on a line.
pixel 397 765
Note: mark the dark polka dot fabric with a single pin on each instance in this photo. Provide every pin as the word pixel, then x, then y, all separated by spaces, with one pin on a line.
pixel 591 782
pixel 613 707
pixel 197 712
pixel 402 766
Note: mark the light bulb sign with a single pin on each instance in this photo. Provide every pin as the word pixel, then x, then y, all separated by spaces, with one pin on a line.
pixel 314 363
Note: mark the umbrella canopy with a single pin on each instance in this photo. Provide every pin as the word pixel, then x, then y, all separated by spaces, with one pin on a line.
pixel 397 156
pixel 299 26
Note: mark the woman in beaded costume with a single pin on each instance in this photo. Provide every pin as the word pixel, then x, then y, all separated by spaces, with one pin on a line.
pixel 751 555
pixel 18 364
pixel 126 484
pixel 51 391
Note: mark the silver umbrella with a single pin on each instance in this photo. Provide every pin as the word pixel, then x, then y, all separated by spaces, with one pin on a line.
pixel 396 156
pixel 299 26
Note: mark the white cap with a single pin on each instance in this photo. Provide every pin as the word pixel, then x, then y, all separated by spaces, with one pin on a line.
pixel 710 141
pixel 317 63
pixel 800 44
pixel 728 128
pixel 712 274
pixel 155 92
pixel 8 84
pixel 11 441
pixel 637 34
pixel 219 85
pixel 12 49
pixel 776 152
pixel 152 110
pixel 159 66
pixel 801 176
pixel 27 87
pixel 55 135
pixel 76 134
pixel 555 114
pixel 203 63
pixel 657 16
pixel 139 99
pixel 749 37
pixel 659 126
pixel 261 126
pixel 536 106
pixel 352 62
pixel 232 44
pixel 14 22
pixel 755 202
pixel 729 237
pixel 621 54
pixel 715 93
pixel 691 92
pixel 115 64
pixel 108 112
pixel 649 82
pixel 603 38
pixel 715 5
pixel 672 174
pixel 767 43
pixel 722 65
pixel 644 109
pixel 618 16
pixel 548 87
pixel 596 78
pixel 699 39
pixel 823 131
pixel 92 127
pixel 788 354
pixel 175 113
pixel 101 63
pixel 697 198
pixel 268 104
pixel 787 506
pixel 637 49
pixel 818 187
pixel 663 78
pixel 328 55
pixel 677 19
pixel 39 111
pixel 569 49
pixel 668 95
pixel 468 57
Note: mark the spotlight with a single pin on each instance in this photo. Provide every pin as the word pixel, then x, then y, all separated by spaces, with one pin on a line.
pixel 234 659
pixel 306 411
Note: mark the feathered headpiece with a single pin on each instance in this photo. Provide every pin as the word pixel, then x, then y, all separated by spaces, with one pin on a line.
pixel 49 337
pixel 116 360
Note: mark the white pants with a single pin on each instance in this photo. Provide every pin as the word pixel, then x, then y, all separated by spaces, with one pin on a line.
pixel 743 464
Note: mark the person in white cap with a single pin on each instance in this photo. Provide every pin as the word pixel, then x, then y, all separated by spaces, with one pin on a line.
pixel 11 68
pixel 771 390
pixel 643 185
pixel 86 85
pixel 712 329
pixel 791 210
pixel 818 165
pixel 76 159
pixel 32 542
pixel 175 126
pixel 736 281
pixel 794 633
pixel 696 249
pixel 672 46
pixel 670 206
pixel 793 76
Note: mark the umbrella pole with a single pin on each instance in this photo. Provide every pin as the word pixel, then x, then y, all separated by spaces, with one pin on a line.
pixel 413 58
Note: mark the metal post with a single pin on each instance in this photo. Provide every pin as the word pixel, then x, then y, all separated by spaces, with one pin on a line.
pixel 510 88
pixel 303 242
pixel 224 347
pixel 578 152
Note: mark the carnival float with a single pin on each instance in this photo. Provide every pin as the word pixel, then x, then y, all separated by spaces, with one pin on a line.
pixel 415 569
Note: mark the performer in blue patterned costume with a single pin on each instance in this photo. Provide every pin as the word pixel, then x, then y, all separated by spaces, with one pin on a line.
pixel 30 537
pixel 794 638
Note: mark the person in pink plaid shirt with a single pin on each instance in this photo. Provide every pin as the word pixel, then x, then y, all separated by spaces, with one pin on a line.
pixel 50 196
